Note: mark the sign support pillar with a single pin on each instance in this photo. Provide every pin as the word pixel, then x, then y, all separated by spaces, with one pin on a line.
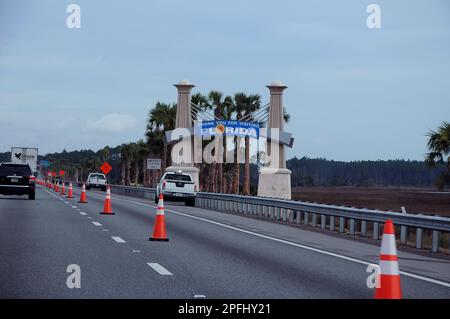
pixel 274 178
pixel 184 162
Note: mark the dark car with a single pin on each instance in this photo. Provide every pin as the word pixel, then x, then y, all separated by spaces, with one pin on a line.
pixel 17 179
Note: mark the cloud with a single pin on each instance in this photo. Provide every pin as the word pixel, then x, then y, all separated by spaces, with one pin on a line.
pixel 112 123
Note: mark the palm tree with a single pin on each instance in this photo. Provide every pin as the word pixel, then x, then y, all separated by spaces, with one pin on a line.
pixel 249 104
pixel 126 151
pixel 143 154
pixel 439 146
pixel 202 105
pixel 222 108
pixel 160 119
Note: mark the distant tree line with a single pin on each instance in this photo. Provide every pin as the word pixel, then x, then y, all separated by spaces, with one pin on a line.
pixel 323 172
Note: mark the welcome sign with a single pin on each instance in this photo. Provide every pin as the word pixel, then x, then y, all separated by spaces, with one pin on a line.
pixel 228 127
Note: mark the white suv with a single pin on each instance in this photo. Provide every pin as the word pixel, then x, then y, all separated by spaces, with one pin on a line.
pixel 96 180
pixel 177 187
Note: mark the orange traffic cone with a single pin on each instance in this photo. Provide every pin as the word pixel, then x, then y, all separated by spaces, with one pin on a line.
pixel 159 228
pixel 389 274
pixel 57 187
pixel 63 189
pixel 107 209
pixel 70 192
pixel 83 195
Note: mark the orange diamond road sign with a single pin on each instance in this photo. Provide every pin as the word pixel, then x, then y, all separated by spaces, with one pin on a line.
pixel 61 173
pixel 105 168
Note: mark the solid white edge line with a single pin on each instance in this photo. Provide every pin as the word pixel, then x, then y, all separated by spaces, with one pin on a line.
pixel 408 274
pixel 118 240
pixel 160 269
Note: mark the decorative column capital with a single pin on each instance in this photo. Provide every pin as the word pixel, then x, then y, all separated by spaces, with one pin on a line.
pixel 276 87
pixel 184 86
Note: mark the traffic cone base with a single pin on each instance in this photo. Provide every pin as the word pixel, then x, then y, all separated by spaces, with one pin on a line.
pixel 393 291
pixel 158 239
pixel 103 213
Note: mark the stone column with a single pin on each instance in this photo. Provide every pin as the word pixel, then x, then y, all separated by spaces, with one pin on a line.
pixel 184 120
pixel 274 178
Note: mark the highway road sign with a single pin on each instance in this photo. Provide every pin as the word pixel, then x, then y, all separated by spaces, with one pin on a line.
pixel 44 163
pixel 153 163
pixel 105 168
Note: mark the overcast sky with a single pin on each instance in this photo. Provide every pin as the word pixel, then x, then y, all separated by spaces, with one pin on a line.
pixel 354 93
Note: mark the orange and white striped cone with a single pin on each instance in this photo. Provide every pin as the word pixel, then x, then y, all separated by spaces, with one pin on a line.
pixel 83 194
pixel 70 192
pixel 107 209
pixel 63 189
pixel 389 284
pixel 57 187
pixel 159 228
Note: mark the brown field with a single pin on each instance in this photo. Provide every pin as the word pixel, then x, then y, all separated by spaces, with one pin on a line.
pixel 415 200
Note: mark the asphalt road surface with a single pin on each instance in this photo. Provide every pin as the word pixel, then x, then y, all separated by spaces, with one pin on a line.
pixel 209 255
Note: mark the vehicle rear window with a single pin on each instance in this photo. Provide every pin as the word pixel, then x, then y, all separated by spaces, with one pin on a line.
pixel 178 177
pixel 98 176
pixel 11 169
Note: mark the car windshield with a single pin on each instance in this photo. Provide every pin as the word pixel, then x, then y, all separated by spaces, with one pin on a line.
pixel 178 177
pixel 100 176
pixel 10 169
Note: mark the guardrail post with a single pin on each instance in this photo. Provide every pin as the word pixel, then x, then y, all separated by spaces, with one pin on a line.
pixel 435 241
pixel 265 211
pixel 314 219
pixel 283 213
pixel 272 212
pixel 298 216
pixel 341 224
pixel 323 221
pixel 306 219
pixel 419 238
pixel 291 216
pixel 332 223
pixel 376 230
pixel 403 234
pixel 352 226
pixel 363 228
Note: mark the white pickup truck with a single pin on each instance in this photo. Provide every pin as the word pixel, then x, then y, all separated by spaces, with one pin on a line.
pixel 96 180
pixel 177 187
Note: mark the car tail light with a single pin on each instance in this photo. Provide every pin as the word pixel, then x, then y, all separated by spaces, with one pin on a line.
pixel 195 187
pixel 32 179
pixel 164 185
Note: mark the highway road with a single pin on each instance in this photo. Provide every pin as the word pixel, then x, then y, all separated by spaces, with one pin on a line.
pixel 209 255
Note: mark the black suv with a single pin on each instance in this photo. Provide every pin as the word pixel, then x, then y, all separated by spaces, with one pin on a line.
pixel 17 179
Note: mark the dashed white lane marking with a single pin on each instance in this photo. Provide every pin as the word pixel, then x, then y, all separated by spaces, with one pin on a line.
pixel 74 206
pixel 89 217
pixel 160 269
pixel 136 251
pixel 83 213
pixel 118 240
pixel 199 296
pixel 317 250
pixel 105 230
pixel 96 223
pixel 66 202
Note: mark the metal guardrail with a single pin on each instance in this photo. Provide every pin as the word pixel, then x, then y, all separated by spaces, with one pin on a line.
pixel 354 221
